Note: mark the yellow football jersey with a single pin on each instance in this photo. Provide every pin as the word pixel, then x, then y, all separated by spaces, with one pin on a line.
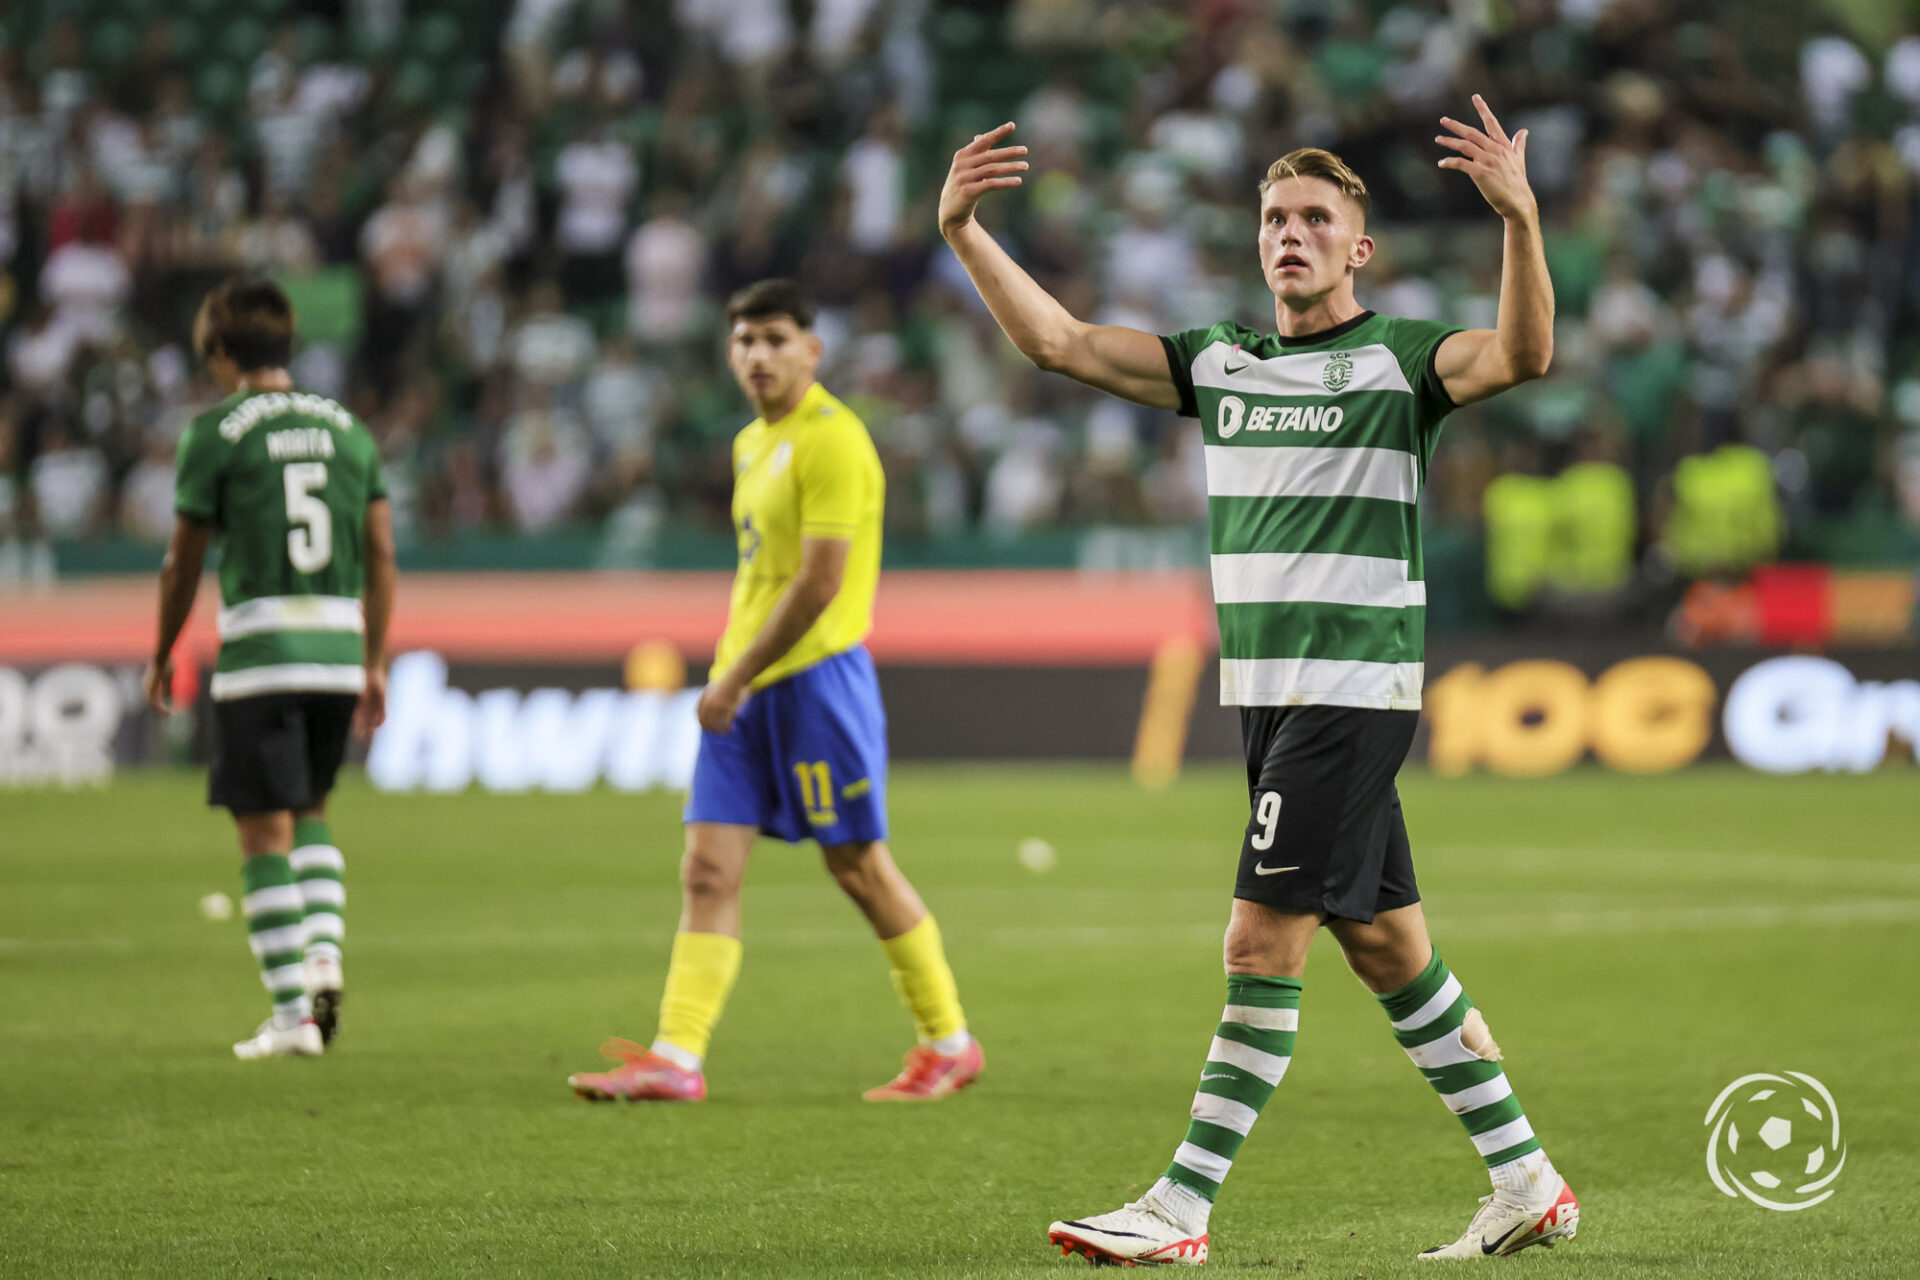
pixel 812 474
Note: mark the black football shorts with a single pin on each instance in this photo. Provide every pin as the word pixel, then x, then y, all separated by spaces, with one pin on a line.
pixel 1325 834
pixel 277 751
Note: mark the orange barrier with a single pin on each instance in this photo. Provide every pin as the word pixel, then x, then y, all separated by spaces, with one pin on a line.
pixel 1033 617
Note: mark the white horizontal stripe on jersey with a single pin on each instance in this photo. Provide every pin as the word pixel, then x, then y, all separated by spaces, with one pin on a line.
pixel 1268 1066
pixel 288 677
pixel 1248 1015
pixel 1334 682
pixel 1479 1095
pixel 290 613
pixel 1441 1001
pixel 1225 1112
pixel 1311 471
pixel 1500 1139
pixel 1314 577
pixel 1298 374
pixel 1203 1162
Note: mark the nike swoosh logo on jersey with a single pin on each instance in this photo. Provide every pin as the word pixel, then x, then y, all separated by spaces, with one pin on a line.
pixel 1262 869
pixel 1234 368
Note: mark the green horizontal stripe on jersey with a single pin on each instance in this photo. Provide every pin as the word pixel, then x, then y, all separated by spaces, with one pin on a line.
pixel 1344 526
pixel 1350 632
pixel 273 648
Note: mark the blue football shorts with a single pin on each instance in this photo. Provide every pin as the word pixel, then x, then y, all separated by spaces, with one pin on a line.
pixel 806 758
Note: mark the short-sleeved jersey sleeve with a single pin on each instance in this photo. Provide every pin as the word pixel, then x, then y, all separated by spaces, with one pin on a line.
pixel 834 478
pixel 196 484
pixel 1417 344
pixel 1181 348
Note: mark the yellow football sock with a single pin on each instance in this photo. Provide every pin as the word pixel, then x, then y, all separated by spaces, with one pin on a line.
pixel 921 976
pixel 699 976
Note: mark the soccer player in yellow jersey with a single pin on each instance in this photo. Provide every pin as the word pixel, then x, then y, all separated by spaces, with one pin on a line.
pixel 794 739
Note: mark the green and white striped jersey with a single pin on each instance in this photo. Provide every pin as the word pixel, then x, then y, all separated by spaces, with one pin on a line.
pixel 284 477
pixel 1316 451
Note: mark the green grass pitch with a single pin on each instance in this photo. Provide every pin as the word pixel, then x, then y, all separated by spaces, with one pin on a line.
pixel 1635 943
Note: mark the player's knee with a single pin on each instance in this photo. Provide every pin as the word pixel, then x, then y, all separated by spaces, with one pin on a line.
pixel 705 876
pixel 854 867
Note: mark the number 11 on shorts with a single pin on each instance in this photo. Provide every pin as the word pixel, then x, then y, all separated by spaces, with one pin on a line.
pixel 1268 816
pixel 816 791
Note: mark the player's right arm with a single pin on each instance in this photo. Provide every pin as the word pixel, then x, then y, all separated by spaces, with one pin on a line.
pixel 179 584
pixel 377 605
pixel 1126 362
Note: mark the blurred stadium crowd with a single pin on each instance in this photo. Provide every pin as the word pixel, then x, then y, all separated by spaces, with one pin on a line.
pixel 509 229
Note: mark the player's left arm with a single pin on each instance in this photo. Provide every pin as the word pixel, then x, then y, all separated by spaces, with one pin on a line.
pixel 1478 363
pixel 179 584
pixel 823 563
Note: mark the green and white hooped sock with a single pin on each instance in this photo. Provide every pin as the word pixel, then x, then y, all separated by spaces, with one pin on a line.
pixel 1448 1040
pixel 275 932
pixel 320 872
pixel 1249 1055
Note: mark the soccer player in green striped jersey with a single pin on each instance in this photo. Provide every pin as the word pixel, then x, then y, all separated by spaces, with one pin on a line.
pixel 1317 439
pixel 290 486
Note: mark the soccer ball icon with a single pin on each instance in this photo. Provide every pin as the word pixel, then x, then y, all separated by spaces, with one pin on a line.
pixel 1776 1140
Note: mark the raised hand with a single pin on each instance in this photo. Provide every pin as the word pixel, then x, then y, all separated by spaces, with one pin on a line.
pixel 1496 163
pixel 979 167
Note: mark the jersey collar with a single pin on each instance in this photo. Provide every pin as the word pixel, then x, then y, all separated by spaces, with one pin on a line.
pixel 809 399
pixel 1324 335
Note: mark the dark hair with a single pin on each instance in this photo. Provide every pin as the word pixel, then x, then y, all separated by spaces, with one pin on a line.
pixel 769 299
pixel 248 319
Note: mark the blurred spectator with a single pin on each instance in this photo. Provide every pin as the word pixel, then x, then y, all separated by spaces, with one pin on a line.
pixel 545 464
pixel 550 348
pixel 69 486
pixel 597 178
pixel 666 264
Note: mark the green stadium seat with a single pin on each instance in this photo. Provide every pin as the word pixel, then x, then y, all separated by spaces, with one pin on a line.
pixel 435 37
pixel 189 39
pixel 218 88
pixel 243 39
pixel 313 41
pixel 415 83
pixel 111 44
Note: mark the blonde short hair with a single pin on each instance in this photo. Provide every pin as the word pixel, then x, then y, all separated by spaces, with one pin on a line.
pixel 1312 162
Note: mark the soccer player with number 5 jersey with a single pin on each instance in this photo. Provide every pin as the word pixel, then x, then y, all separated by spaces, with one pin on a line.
pixel 290 486
pixel 1317 438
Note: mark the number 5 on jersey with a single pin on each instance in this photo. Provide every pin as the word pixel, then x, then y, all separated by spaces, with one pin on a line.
pixel 310 535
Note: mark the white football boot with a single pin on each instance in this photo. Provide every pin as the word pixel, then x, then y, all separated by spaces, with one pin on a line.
pixel 1509 1221
pixel 300 1041
pixel 324 981
pixel 1140 1233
